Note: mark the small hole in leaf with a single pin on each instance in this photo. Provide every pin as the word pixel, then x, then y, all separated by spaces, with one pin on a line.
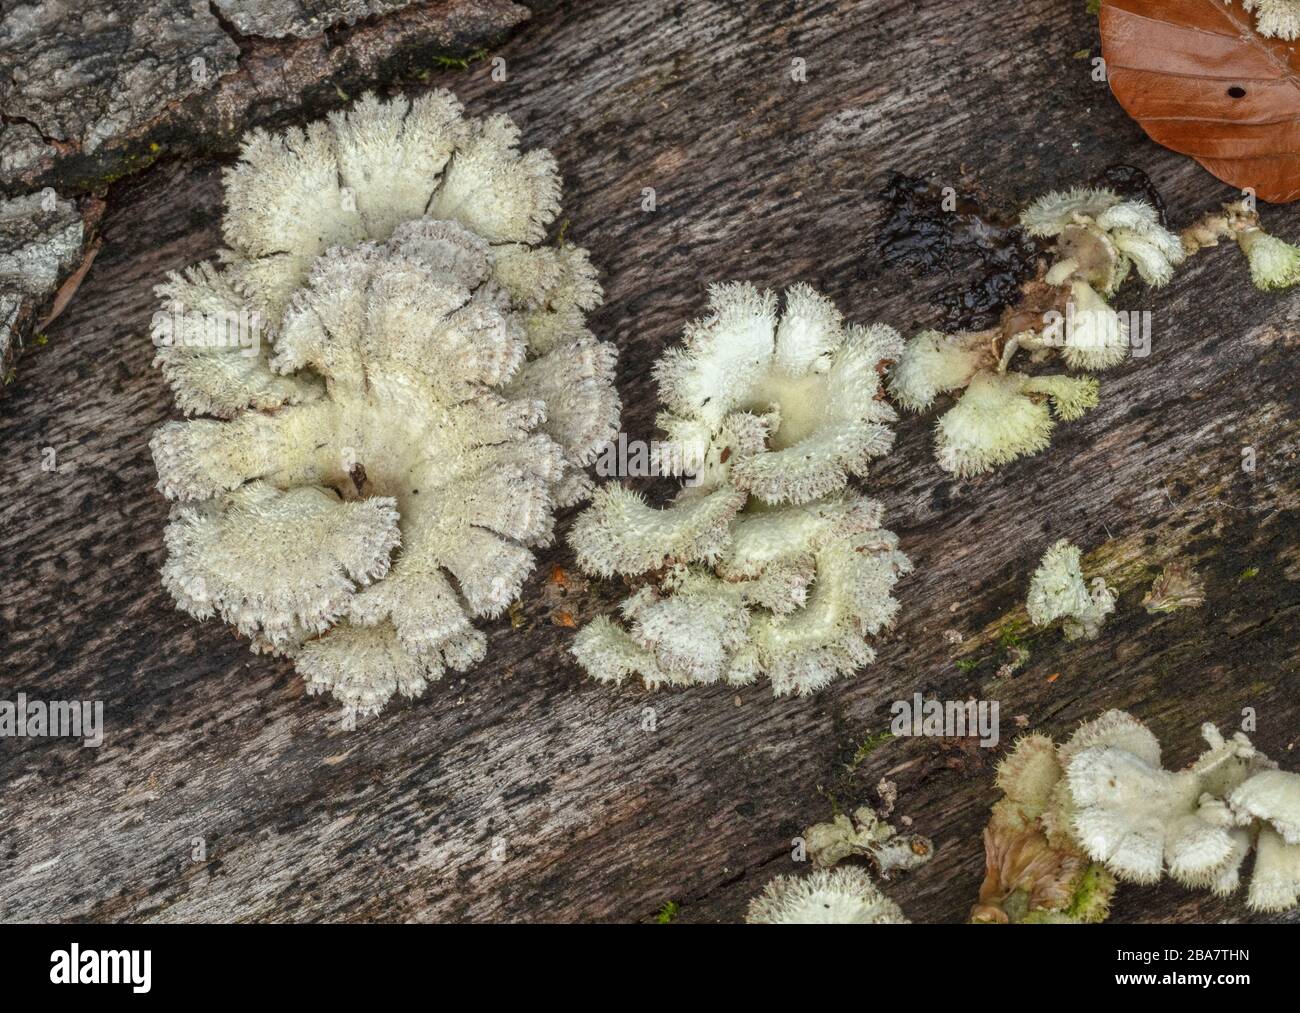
pixel 1236 91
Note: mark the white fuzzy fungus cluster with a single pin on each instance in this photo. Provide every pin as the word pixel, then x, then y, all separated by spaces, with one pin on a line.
pixel 1058 590
pixel 1274 263
pixel 1002 413
pixel 765 562
pixel 1107 795
pixel 843 896
pixel 420 394
pixel 864 834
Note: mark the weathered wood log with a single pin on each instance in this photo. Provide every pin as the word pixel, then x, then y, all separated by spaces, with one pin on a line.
pixel 42 242
pixel 523 790
pixel 88 99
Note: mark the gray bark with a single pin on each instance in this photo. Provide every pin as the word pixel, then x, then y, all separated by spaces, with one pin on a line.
pixel 40 242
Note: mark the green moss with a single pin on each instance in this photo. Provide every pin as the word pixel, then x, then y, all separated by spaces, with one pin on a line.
pixel 1250 573
pixel 1089 903
pixel 1012 648
pixel 832 798
pixel 131 163
pixel 667 913
pixel 869 745
pixel 1091 900
pixel 1094 7
pixel 459 62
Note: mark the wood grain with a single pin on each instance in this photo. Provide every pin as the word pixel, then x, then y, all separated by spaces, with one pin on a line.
pixel 524 791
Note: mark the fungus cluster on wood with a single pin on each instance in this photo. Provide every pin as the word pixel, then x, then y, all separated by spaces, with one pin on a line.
pixel 864 834
pixel 1057 590
pixel 420 395
pixel 765 562
pixel 1101 805
pixel 843 896
pixel 1064 315
pixel 1274 263
pixel 1034 869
